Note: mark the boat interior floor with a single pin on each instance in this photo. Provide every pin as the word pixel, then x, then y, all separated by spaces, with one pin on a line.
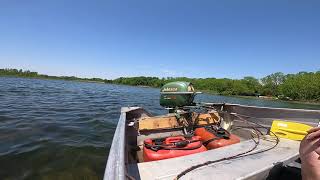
pixel 255 166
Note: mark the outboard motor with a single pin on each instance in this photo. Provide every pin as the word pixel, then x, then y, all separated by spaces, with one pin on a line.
pixel 175 95
pixel 178 97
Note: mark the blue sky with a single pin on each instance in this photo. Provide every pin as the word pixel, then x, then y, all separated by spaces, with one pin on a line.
pixel 109 39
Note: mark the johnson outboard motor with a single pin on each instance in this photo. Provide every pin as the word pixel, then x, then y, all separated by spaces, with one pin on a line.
pixel 177 95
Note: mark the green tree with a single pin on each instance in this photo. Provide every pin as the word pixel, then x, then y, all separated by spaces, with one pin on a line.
pixel 271 83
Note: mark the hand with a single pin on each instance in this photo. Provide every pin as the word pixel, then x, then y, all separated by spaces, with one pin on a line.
pixel 310 155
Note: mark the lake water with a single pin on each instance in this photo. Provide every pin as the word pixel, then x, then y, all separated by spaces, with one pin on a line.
pixel 63 130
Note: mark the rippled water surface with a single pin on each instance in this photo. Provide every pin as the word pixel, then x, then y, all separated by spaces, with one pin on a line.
pixel 63 130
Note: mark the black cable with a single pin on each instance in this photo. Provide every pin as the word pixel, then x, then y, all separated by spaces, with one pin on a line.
pixel 219 160
pixel 246 120
pixel 243 154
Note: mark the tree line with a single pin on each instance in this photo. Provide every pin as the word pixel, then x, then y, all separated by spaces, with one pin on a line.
pixel 30 74
pixel 301 86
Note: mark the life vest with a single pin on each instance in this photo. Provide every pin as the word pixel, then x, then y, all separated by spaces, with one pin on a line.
pixel 213 139
pixel 170 147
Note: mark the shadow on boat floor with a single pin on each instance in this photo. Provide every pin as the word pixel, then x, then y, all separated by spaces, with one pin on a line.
pixel 285 172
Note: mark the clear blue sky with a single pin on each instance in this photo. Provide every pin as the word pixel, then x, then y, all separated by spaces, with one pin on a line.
pixel 108 39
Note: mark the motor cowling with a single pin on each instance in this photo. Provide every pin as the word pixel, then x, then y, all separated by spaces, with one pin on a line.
pixel 177 94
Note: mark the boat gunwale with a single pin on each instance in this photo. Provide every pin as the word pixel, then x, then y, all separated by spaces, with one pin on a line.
pixel 269 108
pixel 115 167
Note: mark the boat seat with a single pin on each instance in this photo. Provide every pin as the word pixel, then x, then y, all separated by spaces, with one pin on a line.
pixel 158 123
pixel 249 167
pixel 171 122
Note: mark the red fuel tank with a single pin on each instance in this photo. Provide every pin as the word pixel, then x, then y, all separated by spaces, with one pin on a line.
pixel 170 147
pixel 216 139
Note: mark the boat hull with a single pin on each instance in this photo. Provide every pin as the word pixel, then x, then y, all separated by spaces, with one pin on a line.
pixel 119 165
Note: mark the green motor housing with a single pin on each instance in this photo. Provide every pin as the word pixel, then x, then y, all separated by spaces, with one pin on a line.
pixel 177 94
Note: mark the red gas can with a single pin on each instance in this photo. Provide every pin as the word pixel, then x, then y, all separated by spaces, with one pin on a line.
pixel 171 147
pixel 216 139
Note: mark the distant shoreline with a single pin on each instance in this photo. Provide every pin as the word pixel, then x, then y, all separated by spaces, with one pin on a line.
pixel 60 79
pixel 276 86
pixel 204 91
pixel 267 99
